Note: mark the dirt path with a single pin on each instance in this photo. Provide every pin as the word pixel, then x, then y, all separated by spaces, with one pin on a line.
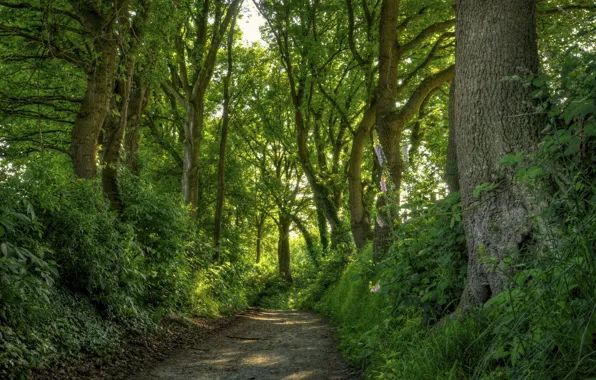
pixel 263 345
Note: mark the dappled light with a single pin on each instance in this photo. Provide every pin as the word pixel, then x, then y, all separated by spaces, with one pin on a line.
pixel 297 189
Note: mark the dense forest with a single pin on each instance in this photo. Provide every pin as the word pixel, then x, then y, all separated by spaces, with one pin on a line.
pixel 422 172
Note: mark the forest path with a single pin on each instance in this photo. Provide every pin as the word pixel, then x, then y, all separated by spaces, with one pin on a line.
pixel 262 345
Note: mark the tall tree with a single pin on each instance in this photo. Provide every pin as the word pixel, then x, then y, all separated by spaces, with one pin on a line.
pixel 222 145
pixel 493 117
pixel 115 126
pixel 195 57
pixel 360 211
pixel 395 44
pixel 82 33
pixel 294 28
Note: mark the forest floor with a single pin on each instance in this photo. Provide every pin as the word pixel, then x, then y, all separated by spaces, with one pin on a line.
pixel 255 344
pixel 263 345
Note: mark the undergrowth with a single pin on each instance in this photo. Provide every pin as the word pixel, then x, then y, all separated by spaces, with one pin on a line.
pixel 76 279
pixel 398 319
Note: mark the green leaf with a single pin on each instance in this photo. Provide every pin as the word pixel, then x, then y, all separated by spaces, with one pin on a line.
pixel 541 80
pixel 487 186
pixel 511 159
pixel 534 171
pixel 590 129
pixel 579 109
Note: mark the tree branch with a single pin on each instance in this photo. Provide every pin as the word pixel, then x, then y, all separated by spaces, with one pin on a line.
pixel 399 118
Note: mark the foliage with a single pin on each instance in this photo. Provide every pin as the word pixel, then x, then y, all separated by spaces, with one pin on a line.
pixel 546 323
pixel 543 327
pixel 76 279
pixel 426 266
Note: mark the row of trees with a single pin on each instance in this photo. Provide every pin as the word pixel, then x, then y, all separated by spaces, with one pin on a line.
pixel 334 123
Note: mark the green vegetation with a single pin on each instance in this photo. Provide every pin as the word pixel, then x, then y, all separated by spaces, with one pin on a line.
pixel 435 200
pixel 542 327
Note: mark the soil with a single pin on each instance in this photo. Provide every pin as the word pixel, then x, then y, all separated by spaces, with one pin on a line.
pixel 261 345
pixel 255 344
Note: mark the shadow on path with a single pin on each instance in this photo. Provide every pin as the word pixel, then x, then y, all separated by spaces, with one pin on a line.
pixel 264 345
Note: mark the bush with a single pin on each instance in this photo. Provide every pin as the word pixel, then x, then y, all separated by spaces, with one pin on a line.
pixel 75 277
pixel 425 268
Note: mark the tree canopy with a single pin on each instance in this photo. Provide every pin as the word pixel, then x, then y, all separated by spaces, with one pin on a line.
pixel 154 161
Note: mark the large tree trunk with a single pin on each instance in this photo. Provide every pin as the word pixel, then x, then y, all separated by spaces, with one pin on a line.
pixel 496 39
pixel 113 137
pixel 359 213
pixel 93 111
pixel 283 248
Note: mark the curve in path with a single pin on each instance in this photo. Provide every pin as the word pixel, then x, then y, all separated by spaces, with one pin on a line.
pixel 263 345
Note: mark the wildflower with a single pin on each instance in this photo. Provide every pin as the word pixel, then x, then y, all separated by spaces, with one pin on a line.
pixel 379 153
pixel 376 288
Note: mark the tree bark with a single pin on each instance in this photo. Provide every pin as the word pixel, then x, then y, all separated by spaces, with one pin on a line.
pixel 323 232
pixel 359 215
pixel 494 117
pixel 451 173
pixel 113 136
pixel 94 108
pixel 193 131
pixel 136 109
pixel 260 225
pixel 308 240
pixel 321 194
pixel 100 84
pixel 283 248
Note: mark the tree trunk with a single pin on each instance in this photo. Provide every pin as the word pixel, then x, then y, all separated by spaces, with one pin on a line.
pixel 323 232
pixel 113 137
pixel 451 174
pixel 93 111
pixel 193 131
pixel 222 146
pixel 494 117
pixel 195 108
pixel 260 226
pixel 283 248
pixel 359 215
pixel 136 109
pixel 321 194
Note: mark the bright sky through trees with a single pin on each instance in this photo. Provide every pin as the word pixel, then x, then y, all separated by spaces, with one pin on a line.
pixel 250 23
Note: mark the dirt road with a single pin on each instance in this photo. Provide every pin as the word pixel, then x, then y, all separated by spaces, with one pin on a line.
pixel 262 345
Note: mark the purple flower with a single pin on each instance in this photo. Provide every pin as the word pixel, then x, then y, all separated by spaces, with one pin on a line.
pixel 380 222
pixel 376 288
pixel 379 152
